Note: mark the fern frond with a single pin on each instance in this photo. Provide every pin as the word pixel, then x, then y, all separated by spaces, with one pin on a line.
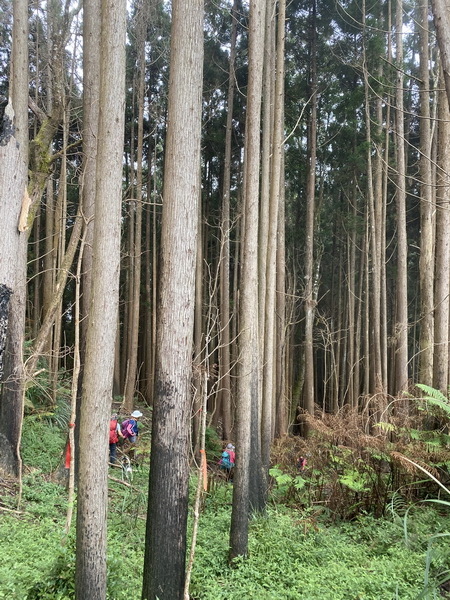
pixel 397 505
pixel 432 445
pixel 435 397
pixel 415 434
pixel 430 471
pixel 385 426
pixel 432 392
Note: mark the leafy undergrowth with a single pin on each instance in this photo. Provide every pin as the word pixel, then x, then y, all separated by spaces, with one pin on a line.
pixel 37 560
pixel 293 554
pixel 298 550
pixel 42 445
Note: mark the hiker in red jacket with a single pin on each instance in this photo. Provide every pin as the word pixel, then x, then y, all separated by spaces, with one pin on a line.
pixel 115 433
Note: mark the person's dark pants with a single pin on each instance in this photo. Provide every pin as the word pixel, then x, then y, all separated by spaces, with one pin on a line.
pixel 112 453
pixel 228 473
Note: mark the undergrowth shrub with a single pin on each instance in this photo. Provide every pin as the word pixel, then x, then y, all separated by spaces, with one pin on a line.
pixel 43 497
pixel 35 564
pixel 44 402
pixel 294 558
pixel 59 582
pixel 333 531
pixel 213 444
pixel 293 554
pixel 358 463
pixel 30 543
pixel 42 445
pixel 127 505
pixel 124 572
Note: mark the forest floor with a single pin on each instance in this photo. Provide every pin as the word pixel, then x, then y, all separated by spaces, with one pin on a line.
pixel 8 487
pixel 296 551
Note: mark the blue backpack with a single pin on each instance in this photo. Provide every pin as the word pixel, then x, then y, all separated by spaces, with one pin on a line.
pixel 225 461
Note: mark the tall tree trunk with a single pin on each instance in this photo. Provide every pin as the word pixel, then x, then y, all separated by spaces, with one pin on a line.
pixel 135 275
pixel 200 340
pixel 427 209
pixel 401 320
pixel 281 391
pixel 308 386
pixel 386 179
pixel 148 304
pixel 50 217
pixel 266 159
pixel 442 266
pixel 34 304
pixel 225 315
pixel 373 192
pixel 357 386
pixel 60 239
pixel 351 397
pixel 13 242
pixel 441 16
pixel 90 579
pixel 165 544
pixel 129 237
pixel 249 368
pixel 49 274
pixel 380 379
pixel 91 83
pixel 269 365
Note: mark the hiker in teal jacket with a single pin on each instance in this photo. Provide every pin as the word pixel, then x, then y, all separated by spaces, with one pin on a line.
pixel 227 461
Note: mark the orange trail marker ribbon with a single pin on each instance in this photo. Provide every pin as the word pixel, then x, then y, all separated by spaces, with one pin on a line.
pixel 203 468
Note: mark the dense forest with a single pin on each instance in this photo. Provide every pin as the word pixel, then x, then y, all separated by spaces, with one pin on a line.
pixel 233 215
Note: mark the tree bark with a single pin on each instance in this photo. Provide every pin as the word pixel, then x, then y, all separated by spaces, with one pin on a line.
pixel 90 579
pixel 248 386
pixel 427 209
pixel 165 544
pixel 401 320
pixel 270 322
pixel 225 316
pixel 442 267
pixel 310 303
pixel 441 16
pixel 13 242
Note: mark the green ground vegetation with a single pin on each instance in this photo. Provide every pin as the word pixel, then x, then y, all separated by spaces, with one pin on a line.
pixel 356 524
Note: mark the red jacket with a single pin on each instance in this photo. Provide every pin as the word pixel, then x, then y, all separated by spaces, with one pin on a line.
pixel 113 435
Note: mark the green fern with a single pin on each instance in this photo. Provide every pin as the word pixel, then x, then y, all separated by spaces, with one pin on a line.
pixel 281 478
pixel 433 445
pixel 387 427
pixel 432 392
pixel 355 480
pixel 435 397
pixel 414 434
pixel 397 505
